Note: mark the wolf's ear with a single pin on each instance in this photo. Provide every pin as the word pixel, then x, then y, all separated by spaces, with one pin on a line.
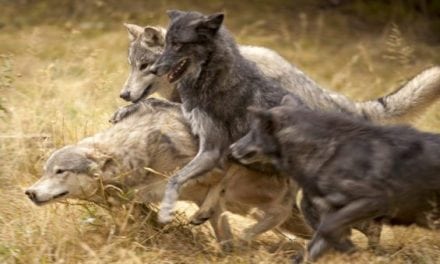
pixel 267 119
pixel 214 21
pixel 98 161
pixel 134 31
pixel 210 24
pixel 291 100
pixel 153 36
pixel 173 13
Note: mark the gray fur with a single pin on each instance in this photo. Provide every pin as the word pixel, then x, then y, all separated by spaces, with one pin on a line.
pixel 216 86
pixel 350 170
pixel 401 105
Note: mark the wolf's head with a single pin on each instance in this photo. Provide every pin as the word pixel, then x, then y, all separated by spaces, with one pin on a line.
pixel 189 42
pixel 262 143
pixel 259 145
pixel 69 172
pixel 146 45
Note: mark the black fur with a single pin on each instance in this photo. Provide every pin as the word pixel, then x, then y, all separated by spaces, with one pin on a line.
pixel 350 170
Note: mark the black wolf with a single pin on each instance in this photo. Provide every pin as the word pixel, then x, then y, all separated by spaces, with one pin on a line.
pixel 350 170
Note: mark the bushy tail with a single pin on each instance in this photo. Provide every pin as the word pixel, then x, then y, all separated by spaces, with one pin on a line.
pixel 406 102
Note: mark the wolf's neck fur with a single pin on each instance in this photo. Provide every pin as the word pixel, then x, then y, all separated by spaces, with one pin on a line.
pixel 226 85
pixel 219 67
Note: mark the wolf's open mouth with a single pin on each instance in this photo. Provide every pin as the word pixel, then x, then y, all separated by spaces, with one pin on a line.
pixel 178 70
pixel 248 156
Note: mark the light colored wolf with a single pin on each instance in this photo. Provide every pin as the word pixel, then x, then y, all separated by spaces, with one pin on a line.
pixel 410 100
pixel 131 159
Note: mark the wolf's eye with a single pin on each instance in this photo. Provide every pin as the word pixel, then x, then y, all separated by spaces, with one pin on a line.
pixel 143 66
pixel 60 171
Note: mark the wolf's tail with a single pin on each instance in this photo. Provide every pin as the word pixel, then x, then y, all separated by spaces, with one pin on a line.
pixel 406 102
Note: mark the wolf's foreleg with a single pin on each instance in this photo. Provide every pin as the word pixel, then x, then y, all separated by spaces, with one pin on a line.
pixel 202 163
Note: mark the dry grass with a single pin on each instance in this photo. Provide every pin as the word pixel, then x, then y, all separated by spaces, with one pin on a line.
pixel 61 83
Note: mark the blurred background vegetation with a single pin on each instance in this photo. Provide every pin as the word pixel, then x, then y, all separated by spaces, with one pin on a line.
pixel 63 63
pixel 397 32
pixel 363 13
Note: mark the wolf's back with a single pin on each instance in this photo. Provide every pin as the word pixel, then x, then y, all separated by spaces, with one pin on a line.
pixel 401 105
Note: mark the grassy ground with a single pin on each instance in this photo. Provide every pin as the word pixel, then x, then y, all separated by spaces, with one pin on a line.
pixel 61 69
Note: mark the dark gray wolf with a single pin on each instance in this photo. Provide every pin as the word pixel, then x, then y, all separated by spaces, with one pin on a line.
pixel 147 44
pixel 350 170
pixel 216 84
pixel 109 168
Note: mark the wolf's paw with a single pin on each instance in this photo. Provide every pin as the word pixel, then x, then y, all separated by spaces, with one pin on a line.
pixel 164 216
pixel 346 246
pixel 123 112
pixel 227 247
pixel 316 248
pixel 200 217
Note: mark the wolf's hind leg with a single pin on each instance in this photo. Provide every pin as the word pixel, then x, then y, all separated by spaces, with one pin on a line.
pixel 273 217
pixel 334 226
pixel 220 223
pixel 210 204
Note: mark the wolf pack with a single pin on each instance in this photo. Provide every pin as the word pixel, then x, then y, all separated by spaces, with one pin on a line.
pixel 240 129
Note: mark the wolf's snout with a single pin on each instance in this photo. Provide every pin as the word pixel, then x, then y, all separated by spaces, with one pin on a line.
pixel 235 151
pixel 243 154
pixel 232 150
pixel 125 95
pixel 31 195
pixel 232 146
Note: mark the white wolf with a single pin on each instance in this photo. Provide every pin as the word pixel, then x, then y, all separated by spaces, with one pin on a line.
pixel 157 137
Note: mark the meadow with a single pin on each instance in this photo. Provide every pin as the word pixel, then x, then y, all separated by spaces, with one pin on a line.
pixel 63 63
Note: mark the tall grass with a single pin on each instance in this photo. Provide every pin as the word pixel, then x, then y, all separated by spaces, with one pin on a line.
pixel 60 83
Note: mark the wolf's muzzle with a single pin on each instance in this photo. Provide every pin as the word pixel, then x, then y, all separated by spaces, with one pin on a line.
pixel 32 195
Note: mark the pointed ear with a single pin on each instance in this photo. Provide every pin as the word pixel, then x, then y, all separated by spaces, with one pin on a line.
pixel 174 14
pixel 153 36
pixel 134 31
pixel 98 160
pixel 211 23
pixel 290 100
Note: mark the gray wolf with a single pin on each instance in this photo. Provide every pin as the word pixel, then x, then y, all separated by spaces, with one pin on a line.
pixel 349 169
pixel 147 44
pixel 216 85
pixel 109 167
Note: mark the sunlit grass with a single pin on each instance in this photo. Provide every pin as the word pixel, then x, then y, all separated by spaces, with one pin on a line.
pixel 61 83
